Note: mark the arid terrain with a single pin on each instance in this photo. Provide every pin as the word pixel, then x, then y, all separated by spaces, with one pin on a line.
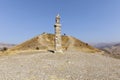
pixel 111 49
pixel 45 42
pixel 6 45
pixel 50 66
pixel 34 60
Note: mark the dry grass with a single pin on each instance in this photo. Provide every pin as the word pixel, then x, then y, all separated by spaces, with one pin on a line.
pixel 46 42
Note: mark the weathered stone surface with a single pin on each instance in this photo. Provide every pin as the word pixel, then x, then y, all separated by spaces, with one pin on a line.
pixel 58 43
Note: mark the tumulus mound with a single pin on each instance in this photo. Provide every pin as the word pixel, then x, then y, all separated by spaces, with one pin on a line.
pixel 45 42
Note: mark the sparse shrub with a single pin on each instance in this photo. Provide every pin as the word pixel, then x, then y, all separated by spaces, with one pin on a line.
pixel 51 51
pixel 37 48
pixel 4 49
pixel 44 33
pixel 86 44
pixel 37 37
pixel 64 34
pixel 28 46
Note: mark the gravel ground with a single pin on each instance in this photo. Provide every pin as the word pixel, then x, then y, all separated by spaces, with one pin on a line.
pixel 67 66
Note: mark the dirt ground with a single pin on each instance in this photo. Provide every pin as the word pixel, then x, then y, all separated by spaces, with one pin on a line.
pixel 50 66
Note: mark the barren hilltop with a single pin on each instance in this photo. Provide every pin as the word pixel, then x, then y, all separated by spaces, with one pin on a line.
pixel 35 61
pixel 45 42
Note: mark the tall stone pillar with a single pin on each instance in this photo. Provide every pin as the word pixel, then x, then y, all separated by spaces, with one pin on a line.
pixel 58 42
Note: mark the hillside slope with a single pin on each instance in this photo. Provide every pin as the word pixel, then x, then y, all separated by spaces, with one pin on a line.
pixel 113 51
pixel 45 42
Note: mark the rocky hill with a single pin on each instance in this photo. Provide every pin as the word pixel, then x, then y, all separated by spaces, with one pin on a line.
pixel 111 49
pixel 103 45
pixel 75 64
pixel 45 42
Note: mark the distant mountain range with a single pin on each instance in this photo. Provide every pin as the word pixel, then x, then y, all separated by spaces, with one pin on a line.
pixel 2 45
pixel 111 49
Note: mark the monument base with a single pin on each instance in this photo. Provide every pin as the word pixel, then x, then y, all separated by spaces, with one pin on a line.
pixel 61 52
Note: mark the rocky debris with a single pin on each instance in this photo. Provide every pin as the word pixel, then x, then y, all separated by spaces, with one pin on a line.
pixel 68 66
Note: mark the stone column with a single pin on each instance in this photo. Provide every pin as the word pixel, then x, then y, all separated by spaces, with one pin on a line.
pixel 58 43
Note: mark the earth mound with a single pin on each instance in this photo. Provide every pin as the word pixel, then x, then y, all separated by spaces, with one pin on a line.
pixel 45 42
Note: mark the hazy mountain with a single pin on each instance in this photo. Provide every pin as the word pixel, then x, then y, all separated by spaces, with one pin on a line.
pixel 2 45
pixel 103 45
pixel 111 49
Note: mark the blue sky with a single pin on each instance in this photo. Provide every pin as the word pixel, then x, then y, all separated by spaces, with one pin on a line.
pixel 88 20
